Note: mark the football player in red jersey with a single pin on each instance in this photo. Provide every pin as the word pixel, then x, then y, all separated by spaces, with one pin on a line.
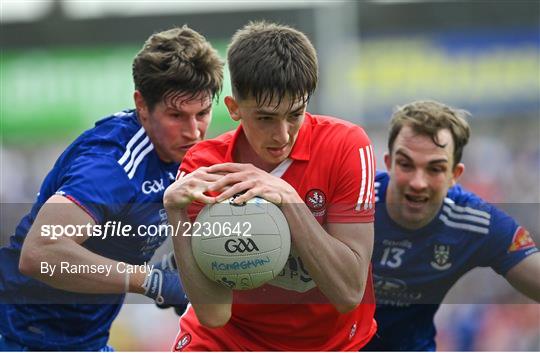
pixel 319 170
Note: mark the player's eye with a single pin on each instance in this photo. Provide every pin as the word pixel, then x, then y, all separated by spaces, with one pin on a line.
pixel 404 165
pixel 437 170
pixel 203 113
pixel 295 117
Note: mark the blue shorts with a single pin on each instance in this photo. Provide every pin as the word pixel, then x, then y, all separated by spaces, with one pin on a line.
pixel 7 345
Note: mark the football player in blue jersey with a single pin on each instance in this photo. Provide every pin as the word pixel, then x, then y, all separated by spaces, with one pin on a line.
pixel 430 231
pixel 99 211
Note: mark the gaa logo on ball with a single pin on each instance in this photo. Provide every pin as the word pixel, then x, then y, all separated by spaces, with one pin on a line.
pixel 252 251
pixel 240 245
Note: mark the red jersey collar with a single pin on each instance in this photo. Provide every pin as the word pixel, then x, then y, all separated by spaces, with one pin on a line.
pixel 300 151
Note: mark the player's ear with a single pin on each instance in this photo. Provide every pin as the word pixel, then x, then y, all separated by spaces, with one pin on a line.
pixel 387 161
pixel 140 104
pixel 232 107
pixel 457 172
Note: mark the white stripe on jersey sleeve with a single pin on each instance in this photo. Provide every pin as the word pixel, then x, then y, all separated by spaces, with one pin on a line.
pixel 140 157
pixel 130 144
pixel 466 226
pixel 463 216
pixel 363 182
pixel 366 187
pixel 466 209
pixel 134 155
pixel 371 162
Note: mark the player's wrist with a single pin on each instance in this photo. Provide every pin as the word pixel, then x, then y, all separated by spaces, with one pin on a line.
pixel 291 197
pixel 136 281
pixel 172 204
pixel 175 199
pixel 176 215
pixel 163 285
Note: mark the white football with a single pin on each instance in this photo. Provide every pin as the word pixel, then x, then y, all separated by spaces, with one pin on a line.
pixel 241 246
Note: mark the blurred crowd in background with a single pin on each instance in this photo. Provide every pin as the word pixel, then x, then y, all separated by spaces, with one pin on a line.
pixel 65 64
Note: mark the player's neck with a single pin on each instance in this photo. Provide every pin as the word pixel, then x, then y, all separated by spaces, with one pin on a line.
pixel 244 153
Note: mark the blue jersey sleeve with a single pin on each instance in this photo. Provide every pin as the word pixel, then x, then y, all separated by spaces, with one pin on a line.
pixel 507 244
pixel 98 184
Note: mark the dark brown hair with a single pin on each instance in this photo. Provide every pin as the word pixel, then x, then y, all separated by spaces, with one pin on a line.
pixel 177 64
pixel 428 118
pixel 268 61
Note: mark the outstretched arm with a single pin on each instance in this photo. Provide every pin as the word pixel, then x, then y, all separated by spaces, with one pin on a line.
pixel 38 249
pixel 525 276
pixel 161 284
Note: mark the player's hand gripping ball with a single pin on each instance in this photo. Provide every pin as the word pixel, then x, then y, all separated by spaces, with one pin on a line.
pixel 241 246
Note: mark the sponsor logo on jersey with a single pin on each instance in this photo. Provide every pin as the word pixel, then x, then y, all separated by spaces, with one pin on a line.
pixel 182 342
pixel 294 275
pixel 394 291
pixel 240 245
pixel 521 240
pixel 316 201
pixel 441 257
pixel 388 284
pixel 401 243
pixel 152 186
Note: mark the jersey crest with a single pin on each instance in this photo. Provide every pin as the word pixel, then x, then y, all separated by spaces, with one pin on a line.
pixel 316 201
pixel 441 257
